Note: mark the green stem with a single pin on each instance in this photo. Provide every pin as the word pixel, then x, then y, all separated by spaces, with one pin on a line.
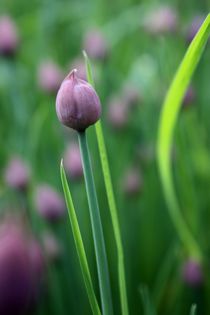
pixel 111 201
pixel 100 251
pixel 114 217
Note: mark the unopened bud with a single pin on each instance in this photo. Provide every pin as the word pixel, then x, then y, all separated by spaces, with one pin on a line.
pixel 73 162
pixel 8 36
pixel 77 104
pixel 133 182
pixel 49 77
pixel 17 174
pixel 95 44
pixel 49 203
pixel 162 20
pixel 118 113
pixel 192 273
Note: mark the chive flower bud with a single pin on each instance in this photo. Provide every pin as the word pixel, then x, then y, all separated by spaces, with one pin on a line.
pixel 17 174
pixel 8 36
pixel 162 20
pixel 77 104
pixel 19 276
pixel 73 162
pixel 49 77
pixel 133 182
pixel 52 247
pixel 192 273
pixel 95 44
pixel 118 113
pixel 49 203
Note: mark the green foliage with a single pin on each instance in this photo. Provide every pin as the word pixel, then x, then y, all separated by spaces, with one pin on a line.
pixel 79 244
pixel 167 123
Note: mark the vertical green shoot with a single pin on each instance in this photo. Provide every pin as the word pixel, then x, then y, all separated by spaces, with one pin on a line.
pixel 111 201
pixel 99 244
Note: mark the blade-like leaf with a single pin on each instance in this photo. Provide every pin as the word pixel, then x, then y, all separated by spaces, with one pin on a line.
pixel 111 200
pixel 79 244
pixel 167 124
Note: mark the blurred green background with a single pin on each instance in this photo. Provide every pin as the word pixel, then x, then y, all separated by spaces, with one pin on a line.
pixel 145 61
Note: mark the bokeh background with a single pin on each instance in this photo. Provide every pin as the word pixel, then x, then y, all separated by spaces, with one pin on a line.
pixel 135 48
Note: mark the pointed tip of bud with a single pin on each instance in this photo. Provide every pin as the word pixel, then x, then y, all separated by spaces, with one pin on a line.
pixel 72 74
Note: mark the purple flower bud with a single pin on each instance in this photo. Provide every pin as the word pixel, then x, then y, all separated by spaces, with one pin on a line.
pixel 95 44
pixel 162 20
pixel 132 182
pixel 36 256
pixel 18 277
pixel 189 97
pixel 118 114
pixel 192 273
pixel 193 28
pixel 79 64
pixel 17 174
pixel 51 246
pixel 73 162
pixel 77 104
pixel 8 36
pixel 50 77
pixel 49 203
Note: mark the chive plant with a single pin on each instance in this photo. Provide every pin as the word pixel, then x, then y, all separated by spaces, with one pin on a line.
pixel 78 107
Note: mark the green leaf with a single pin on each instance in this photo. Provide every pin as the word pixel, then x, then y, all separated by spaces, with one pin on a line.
pixel 193 310
pixel 168 119
pixel 79 244
pixel 111 200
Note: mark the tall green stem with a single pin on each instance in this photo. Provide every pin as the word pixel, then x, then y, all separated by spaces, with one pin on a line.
pixel 100 251
pixel 111 201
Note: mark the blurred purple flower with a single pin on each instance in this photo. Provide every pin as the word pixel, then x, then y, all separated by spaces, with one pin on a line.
pixel 73 162
pixel 50 77
pixel 49 203
pixel 117 113
pixel 17 174
pixel 9 39
pixel 189 97
pixel 19 280
pixel 95 44
pixel 192 273
pixel 133 182
pixel 162 20
pixel 52 248
pixel 194 27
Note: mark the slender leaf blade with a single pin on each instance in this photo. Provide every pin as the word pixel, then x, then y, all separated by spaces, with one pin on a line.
pixel 79 244
pixel 168 119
